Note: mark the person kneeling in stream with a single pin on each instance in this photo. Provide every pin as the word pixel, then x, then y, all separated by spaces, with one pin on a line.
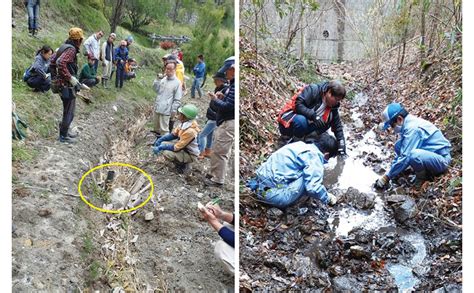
pixel 295 170
pixel 421 146
pixel 186 149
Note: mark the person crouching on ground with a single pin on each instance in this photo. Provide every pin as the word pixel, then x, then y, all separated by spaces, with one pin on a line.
pixel 88 74
pixel 421 146
pixel 39 79
pixel 224 249
pixel 185 150
pixel 295 170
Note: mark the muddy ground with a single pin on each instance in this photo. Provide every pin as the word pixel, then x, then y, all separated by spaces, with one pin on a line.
pixel 60 244
pixel 369 241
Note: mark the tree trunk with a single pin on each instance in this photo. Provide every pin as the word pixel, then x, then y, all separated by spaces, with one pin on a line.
pixel 175 11
pixel 117 15
pixel 405 35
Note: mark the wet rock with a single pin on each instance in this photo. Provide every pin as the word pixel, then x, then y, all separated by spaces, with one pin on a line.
pixel 335 270
pixel 345 284
pixel 149 216
pixel 39 285
pixel 404 211
pixel 362 201
pixel 360 252
pixel 274 213
pixel 119 197
pixel 303 266
pixel 395 198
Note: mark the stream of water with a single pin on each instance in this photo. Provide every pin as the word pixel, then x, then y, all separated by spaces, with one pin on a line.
pixel 351 172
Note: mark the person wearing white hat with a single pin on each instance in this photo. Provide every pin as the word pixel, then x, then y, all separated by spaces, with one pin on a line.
pixel 421 146
pixel 107 58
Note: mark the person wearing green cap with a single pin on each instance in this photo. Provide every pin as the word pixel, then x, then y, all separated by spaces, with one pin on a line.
pixel 185 149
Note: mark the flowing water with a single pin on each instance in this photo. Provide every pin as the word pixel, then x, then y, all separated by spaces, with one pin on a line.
pixel 352 172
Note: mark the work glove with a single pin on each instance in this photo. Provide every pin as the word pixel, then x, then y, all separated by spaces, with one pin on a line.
pixel 73 80
pixel 318 122
pixel 331 199
pixel 342 149
pixel 382 182
pixel 166 137
pixel 163 147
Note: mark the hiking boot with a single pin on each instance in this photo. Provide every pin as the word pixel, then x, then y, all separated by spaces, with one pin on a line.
pixel 183 168
pixel 66 139
pixel 205 154
pixel 210 183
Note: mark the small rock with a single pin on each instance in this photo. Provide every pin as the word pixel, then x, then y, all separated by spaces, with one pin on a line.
pixel 395 198
pixel 119 197
pixel 28 242
pixel 335 270
pixel 274 213
pixel 39 285
pixel 358 251
pixel 149 216
pixel 302 211
pixel 44 212
pixel 405 211
pixel 345 284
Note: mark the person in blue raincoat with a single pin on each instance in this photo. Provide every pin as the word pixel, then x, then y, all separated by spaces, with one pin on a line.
pixel 295 170
pixel 421 146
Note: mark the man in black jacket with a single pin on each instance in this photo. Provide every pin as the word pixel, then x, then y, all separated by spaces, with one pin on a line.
pixel 314 109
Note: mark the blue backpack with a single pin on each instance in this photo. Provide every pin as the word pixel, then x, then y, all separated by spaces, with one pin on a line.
pixel 27 74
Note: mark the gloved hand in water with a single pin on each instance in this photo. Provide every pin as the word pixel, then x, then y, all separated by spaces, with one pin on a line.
pixel 342 149
pixel 163 147
pixel 382 182
pixel 332 199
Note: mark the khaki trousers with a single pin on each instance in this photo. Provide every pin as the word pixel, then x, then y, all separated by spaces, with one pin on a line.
pixel 222 145
pixel 161 123
pixel 226 254
pixel 106 69
pixel 180 157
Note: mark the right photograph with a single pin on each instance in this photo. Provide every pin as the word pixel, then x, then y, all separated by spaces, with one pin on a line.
pixel 351 145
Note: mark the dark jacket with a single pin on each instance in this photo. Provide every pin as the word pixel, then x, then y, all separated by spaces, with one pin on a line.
pixel 310 100
pixel 40 67
pixel 211 110
pixel 121 55
pixel 225 107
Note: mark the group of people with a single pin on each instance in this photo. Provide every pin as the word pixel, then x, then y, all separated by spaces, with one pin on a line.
pixel 38 76
pixel 296 169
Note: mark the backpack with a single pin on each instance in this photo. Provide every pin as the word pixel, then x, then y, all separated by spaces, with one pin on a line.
pixel 55 82
pixel 287 114
pixel 27 74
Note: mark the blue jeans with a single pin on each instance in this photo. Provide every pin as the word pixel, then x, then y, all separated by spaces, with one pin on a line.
pixel 196 85
pixel 39 83
pixel 285 195
pixel 205 136
pixel 299 127
pixel 433 163
pixel 33 14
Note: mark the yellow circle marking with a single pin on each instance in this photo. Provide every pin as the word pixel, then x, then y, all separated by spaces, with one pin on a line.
pixel 115 211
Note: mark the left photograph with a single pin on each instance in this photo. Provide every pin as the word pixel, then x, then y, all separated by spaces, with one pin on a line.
pixel 123 146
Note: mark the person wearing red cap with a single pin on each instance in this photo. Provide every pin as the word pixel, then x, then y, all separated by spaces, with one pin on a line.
pixel 88 74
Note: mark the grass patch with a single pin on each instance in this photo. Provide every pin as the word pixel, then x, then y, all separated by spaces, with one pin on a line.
pixel 22 153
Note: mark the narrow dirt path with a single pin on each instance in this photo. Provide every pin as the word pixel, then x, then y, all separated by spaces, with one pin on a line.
pixel 61 244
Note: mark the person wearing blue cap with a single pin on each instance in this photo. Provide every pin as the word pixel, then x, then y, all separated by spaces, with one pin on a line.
pixel 224 134
pixel 421 146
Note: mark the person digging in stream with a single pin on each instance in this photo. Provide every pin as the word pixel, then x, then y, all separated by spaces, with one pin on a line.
pixel 314 108
pixel 185 150
pixel 421 146
pixel 295 170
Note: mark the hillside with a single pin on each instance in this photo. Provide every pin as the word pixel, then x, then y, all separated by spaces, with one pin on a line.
pixel 59 243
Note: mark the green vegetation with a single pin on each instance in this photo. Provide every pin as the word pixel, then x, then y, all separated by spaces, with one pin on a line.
pixel 100 193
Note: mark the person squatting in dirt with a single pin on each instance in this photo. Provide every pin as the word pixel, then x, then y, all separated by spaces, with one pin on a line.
pixel 206 135
pixel 88 74
pixel 185 150
pixel 37 75
pixel 314 108
pixel 224 133
pixel 421 146
pixel 295 170
pixel 64 69
pixel 223 223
